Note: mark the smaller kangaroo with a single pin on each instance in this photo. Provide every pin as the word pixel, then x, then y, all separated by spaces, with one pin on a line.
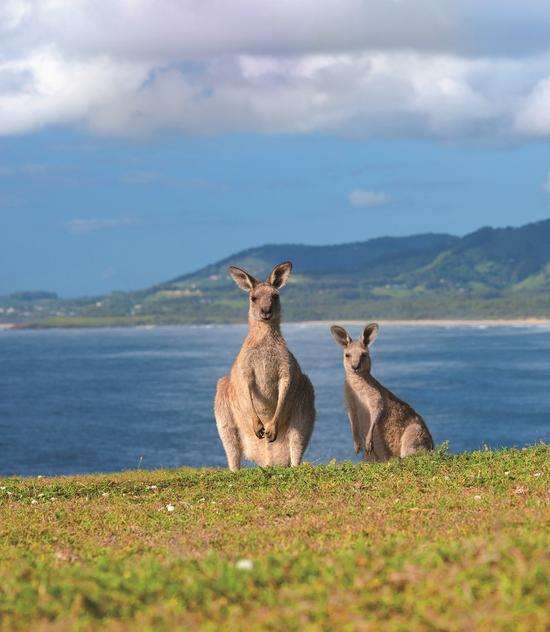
pixel 264 407
pixel 381 424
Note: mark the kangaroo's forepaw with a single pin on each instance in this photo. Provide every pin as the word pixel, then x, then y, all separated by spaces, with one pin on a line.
pixel 369 447
pixel 270 434
pixel 258 428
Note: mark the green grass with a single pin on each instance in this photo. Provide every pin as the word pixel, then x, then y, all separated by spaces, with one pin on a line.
pixel 433 542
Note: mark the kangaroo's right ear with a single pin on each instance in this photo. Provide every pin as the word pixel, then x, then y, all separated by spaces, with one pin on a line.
pixel 340 335
pixel 279 275
pixel 369 334
pixel 241 277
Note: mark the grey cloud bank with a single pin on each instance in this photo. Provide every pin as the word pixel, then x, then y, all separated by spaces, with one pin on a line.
pixel 385 68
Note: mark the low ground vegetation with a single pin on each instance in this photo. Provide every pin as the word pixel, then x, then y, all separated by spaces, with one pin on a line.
pixel 430 542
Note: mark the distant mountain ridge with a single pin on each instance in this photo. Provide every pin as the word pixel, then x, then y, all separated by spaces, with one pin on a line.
pixel 341 258
pixel 492 272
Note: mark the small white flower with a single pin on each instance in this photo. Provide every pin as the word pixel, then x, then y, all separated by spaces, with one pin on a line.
pixel 152 487
pixel 537 474
pixel 3 487
pixel 105 494
pixel 506 473
pixel 40 476
pixel 244 565
pixel 477 497
pixel 170 507
pixel 33 501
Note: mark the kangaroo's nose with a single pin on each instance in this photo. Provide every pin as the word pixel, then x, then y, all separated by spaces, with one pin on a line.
pixel 355 367
pixel 266 314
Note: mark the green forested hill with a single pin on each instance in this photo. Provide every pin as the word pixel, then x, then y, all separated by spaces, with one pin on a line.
pixel 492 272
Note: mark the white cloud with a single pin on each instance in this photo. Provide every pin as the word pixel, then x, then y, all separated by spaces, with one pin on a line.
pixel 362 197
pixel 546 184
pixel 361 68
pixel 84 226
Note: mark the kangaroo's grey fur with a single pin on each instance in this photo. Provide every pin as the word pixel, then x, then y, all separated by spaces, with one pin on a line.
pixel 264 408
pixel 382 424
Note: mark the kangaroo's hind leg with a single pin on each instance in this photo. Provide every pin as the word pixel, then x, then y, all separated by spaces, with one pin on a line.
pixel 226 426
pixel 414 439
pixel 302 421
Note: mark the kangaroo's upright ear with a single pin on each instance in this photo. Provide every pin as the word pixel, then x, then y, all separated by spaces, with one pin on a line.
pixel 369 334
pixel 241 277
pixel 279 275
pixel 340 335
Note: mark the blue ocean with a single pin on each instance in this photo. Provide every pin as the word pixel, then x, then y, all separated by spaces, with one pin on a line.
pixel 88 400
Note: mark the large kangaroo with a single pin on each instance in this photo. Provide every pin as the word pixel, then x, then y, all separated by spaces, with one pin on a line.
pixel 264 408
pixel 381 424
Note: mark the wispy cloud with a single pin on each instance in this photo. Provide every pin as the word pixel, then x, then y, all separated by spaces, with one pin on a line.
pixel 363 197
pixel 93 225
pixel 30 169
pixel 140 177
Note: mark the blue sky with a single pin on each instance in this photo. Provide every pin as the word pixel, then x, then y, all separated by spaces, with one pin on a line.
pixel 124 163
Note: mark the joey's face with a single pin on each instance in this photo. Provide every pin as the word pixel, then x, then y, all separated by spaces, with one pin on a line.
pixel 356 352
pixel 356 358
pixel 264 303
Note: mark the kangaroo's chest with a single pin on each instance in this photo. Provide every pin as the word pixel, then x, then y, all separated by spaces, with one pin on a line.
pixel 266 367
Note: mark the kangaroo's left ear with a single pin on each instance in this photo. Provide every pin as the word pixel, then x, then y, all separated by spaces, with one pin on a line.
pixel 369 334
pixel 340 335
pixel 279 275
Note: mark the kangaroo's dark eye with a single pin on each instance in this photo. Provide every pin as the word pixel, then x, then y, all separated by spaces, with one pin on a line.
pixel 348 355
pixel 253 299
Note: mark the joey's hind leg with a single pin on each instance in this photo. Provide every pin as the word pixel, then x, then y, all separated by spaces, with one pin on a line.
pixel 412 441
pixel 226 426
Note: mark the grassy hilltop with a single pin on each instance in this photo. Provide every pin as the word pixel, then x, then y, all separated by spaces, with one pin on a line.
pixel 431 542
pixel 490 273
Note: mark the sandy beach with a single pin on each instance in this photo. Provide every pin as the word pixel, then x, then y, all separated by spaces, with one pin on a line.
pixel 519 322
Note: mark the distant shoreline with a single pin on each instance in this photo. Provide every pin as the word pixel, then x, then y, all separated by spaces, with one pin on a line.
pixel 424 322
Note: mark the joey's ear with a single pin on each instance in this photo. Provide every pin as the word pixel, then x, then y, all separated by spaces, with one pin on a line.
pixel 241 277
pixel 340 335
pixel 369 334
pixel 279 275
